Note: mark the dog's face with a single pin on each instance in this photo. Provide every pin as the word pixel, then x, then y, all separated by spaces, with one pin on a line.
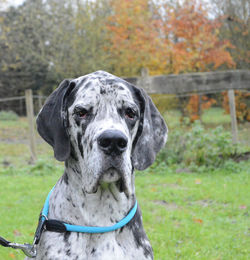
pixel 106 124
pixel 103 122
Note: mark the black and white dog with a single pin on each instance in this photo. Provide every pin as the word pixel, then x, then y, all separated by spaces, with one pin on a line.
pixel 102 127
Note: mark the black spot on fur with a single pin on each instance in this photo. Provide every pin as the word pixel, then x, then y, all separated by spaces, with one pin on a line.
pixel 73 153
pixel 102 91
pixel 66 236
pixel 89 84
pixel 90 145
pixel 65 178
pixel 93 251
pixel 121 229
pixel 82 81
pixel 135 225
pixel 68 252
pixel 79 142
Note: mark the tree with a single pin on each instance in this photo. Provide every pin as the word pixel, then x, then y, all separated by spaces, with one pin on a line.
pixel 134 40
pixel 24 62
pixel 194 39
pixel 43 42
pixel 235 18
pixel 80 37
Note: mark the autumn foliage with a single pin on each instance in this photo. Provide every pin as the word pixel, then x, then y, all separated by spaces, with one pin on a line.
pixel 166 38
pixel 241 101
pixel 134 37
pixel 194 103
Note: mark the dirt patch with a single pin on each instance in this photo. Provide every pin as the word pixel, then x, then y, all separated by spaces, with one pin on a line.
pixel 207 203
pixel 169 185
pixel 167 205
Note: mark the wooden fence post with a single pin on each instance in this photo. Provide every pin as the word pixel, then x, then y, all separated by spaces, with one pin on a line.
pixel 234 127
pixel 40 102
pixel 30 115
pixel 144 80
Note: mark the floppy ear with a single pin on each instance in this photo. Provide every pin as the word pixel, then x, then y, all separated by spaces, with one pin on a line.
pixel 151 135
pixel 52 120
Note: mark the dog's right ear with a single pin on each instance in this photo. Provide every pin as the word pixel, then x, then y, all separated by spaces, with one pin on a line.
pixel 52 120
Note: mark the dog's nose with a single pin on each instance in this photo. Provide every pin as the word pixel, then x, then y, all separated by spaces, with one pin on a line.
pixel 112 142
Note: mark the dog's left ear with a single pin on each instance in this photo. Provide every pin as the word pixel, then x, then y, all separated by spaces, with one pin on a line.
pixel 152 132
pixel 52 120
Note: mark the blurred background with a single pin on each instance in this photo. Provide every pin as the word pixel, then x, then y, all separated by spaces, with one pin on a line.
pixel 195 196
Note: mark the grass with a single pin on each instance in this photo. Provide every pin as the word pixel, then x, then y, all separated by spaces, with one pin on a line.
pixel 186 216
pixel 211 118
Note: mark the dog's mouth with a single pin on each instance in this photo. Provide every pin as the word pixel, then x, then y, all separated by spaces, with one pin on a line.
pixel 109 176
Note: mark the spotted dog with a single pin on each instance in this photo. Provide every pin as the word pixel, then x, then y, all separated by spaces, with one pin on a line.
pixel 103 128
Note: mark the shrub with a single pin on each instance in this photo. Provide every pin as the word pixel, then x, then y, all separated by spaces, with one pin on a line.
pixel 8 116
pixel 198 147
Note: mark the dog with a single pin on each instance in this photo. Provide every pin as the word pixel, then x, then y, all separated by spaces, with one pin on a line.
pixel 103 128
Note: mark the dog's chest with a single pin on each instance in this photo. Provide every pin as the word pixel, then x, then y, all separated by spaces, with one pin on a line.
pixel 77 246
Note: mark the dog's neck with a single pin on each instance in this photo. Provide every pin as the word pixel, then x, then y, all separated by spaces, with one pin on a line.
pixel 105 207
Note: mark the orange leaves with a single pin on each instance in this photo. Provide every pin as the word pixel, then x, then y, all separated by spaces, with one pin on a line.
pixel 195 104
pixel 133 36
pixel 198 221
pixel 195 38
pixel 165 38
pixel 11 255
pixel 241 100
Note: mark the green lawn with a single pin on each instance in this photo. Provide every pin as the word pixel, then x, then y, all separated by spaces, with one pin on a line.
pixel 186 215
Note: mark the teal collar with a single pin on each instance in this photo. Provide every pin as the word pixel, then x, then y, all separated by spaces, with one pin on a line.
pixel 86 229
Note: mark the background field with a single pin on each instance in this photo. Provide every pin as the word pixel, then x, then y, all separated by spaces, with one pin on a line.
pixel 188 212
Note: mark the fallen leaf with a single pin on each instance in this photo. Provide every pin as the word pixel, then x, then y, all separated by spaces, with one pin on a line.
pixel 197 181
pixel 17 233
pixel 198 220
pixel 153 189
pixel 12 255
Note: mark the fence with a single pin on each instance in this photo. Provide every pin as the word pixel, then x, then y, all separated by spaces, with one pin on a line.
pixel 177 86
pixel 198 83
pixel 28 100
pixel 18 104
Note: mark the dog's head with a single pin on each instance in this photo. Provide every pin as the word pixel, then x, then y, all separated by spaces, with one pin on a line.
pixel 104 124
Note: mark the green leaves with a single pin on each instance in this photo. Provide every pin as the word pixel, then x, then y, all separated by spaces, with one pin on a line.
pixel 199 147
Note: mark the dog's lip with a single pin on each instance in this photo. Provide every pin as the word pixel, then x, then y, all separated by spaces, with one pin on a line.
pixel 110 175
pixel 119 182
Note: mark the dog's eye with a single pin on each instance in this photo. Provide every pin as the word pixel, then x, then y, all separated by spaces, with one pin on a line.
pixel 81 112
pixel 130 113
